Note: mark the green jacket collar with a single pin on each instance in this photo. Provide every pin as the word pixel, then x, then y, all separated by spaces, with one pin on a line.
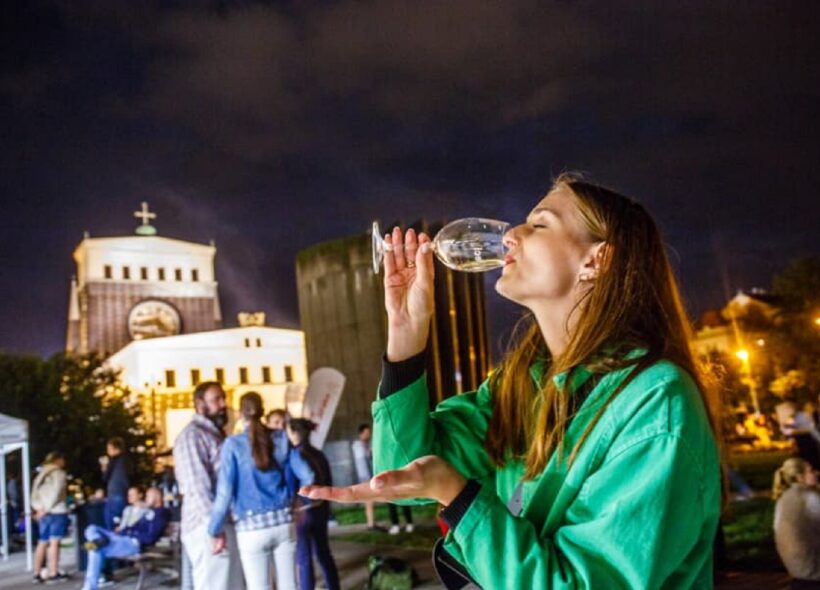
pixel 579 375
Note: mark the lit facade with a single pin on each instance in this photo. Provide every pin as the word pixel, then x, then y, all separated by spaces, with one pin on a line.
pixel 163 372
pixel 136 287
pixel 151 305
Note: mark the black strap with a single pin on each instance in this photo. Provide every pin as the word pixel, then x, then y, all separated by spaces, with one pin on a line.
pixel 450 572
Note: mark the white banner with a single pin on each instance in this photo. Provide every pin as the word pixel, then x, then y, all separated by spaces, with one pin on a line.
pixel 321 399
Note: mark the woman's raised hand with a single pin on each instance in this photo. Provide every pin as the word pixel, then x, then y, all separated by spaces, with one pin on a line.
pixel 408 292
pixel 427 477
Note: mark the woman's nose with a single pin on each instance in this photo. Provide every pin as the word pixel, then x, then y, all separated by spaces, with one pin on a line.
pixel 510 238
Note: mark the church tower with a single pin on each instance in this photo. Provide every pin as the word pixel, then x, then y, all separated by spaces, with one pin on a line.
pixel 139 287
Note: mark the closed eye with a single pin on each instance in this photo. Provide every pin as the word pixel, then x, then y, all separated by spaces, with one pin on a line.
pixel 538 225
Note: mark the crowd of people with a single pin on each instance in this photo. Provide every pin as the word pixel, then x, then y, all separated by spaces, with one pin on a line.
pixel 589 458
pixel 235 496
pixel 241 511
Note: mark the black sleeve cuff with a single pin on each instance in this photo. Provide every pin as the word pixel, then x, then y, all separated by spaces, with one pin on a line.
pixel 453 513
pixel 397 376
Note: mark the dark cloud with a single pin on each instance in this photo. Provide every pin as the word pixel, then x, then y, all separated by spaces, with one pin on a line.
pixel 268 126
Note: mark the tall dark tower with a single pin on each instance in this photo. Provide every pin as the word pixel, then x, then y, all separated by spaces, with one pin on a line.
pixel 341 309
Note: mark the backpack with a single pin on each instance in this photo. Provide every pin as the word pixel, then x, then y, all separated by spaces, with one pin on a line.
pixel 390 573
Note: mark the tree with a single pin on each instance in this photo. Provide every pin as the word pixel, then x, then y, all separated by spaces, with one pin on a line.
pixel 799 285
pixel 796 342
pixel 74 404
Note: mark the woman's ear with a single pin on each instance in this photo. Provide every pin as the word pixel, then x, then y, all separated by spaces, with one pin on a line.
pixel 595 262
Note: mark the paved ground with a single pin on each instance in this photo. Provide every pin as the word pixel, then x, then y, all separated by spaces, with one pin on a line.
pixel 351 559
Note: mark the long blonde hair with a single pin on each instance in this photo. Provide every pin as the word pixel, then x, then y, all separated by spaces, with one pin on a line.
pixel 791 472
pixel 634 302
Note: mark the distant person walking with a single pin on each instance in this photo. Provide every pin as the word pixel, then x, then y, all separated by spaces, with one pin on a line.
pixel 797 522
pixel 196 457
pixel 118 470
pixel 313 516
pixel 258 477
pixel 363 462
pixel 48 500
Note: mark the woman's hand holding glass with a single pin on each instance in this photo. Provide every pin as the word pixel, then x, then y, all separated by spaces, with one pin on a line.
pixel 427 477
pixel 408 288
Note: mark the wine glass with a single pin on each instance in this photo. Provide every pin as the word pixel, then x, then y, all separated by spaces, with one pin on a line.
pixel 472 244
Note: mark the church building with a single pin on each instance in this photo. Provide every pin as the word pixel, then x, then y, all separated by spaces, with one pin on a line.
pixel 137 287
pixel 151 305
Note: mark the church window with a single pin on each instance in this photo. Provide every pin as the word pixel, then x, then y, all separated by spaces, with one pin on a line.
pixel 161 274
pixel 144 273
pixel 107 271
pixel 195 377
pixel 288 374
pixel 243 374
pixel 265 374
pixel 247 342
pixel 258 343
pixel 220 376
pixel 194 275
pixel 126 272
pixel 170 378
pixel 177 274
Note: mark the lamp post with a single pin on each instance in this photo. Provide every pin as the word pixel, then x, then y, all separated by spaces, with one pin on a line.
pixel 745 358
pixel 153 384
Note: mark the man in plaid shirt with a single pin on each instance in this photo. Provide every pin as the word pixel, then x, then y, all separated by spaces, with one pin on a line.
pixel 196 459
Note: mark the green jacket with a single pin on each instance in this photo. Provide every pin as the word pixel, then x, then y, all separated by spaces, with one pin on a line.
pixel 638 508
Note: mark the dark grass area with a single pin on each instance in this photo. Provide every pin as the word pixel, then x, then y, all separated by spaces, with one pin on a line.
pixel 758 467
pixel 747 526
pixel 424 518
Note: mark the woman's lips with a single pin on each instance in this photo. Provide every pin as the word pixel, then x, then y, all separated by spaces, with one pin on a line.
pixel 508 260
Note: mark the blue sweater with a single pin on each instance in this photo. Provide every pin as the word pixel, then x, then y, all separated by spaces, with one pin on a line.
pixel 149 528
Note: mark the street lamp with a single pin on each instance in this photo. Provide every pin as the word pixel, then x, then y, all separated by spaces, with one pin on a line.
pixel 745 358
pixel 153 385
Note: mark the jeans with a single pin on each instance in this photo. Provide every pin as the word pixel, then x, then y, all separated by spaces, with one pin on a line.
pixel 118 546
pixel 392 509
pixel 114 505
pixel 311 538
pixel 212 572
pixel 52 526
pixel 255 548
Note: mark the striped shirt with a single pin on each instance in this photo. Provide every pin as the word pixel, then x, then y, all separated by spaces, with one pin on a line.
pixel 196 461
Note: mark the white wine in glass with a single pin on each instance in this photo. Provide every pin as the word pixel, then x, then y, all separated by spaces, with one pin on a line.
pixel 471 244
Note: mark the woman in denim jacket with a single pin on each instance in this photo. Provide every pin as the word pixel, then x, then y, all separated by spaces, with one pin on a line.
pixel 258 477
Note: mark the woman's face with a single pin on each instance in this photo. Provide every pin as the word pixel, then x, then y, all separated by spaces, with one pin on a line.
pixel 810 476
pixel 547 253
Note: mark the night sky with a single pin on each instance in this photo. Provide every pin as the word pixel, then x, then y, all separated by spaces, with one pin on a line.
pixel 269 126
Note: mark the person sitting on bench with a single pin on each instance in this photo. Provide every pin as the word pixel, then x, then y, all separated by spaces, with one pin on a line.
pixel 102 543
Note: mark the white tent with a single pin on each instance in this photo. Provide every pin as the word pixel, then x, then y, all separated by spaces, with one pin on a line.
pixel 14 437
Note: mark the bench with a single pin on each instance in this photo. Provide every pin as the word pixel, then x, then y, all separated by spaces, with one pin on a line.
pixel 164 556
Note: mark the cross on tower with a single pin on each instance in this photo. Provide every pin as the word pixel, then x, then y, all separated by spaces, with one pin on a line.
pixel 144 214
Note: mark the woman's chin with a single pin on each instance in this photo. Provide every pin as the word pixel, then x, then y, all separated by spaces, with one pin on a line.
pixel 503 288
